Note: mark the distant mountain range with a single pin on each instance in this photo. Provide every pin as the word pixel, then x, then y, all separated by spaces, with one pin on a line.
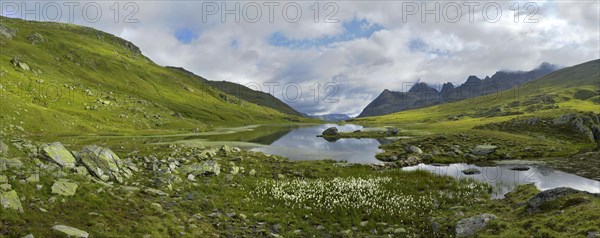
pixel 423 95
pixel 330 117
pixel 245 93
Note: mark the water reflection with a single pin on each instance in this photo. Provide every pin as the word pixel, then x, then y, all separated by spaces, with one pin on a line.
pixel 504 180
pixel 302 144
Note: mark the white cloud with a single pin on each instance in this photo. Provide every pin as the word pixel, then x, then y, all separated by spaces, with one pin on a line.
pixel 566 34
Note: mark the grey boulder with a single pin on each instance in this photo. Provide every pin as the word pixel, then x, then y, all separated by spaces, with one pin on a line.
pixel 470 226
pixel 58 154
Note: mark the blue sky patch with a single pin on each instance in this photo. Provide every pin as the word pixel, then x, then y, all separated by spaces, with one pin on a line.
pixel 185 36
pixel 354 29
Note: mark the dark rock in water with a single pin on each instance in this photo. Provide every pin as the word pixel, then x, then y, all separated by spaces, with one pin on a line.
pixel 534 204
pixel 520 168
pixel 471 171
pixel 332 131
pixel 357 131
pixel 470 226
pixel 331 139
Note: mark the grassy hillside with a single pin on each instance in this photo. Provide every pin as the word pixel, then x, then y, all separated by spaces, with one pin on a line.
pixel 256 97
pixel 66 79
pixel 571 89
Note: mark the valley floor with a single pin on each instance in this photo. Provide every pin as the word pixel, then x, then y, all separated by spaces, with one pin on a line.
pixel 178 190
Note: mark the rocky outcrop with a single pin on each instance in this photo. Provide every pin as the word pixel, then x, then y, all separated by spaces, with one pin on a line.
pixel 469 226
pixel 536 202
pixel 18 63
pixel 7 32
pixel 104 164
pixel 587 124
pixel 58 154
pixel 208 168
pixel 484 150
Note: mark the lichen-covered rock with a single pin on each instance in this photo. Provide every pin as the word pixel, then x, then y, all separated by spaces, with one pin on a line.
pixel 156 192
pixel 104 163
pixel 209 168
pixel 414 149
pixel 58 154
pixel 10 164
pixel 70 231
pixel 10 200
pixel 470 226
pixel 3 148
pixel 34 178
pixel 234 169
pixel 484 150
pixel 64 188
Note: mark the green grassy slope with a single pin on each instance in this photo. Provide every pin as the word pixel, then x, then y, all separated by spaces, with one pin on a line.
pixel 256 97
pixel 571 89
pixel 84 80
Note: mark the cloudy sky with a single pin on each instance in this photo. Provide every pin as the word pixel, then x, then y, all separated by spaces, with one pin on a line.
pixel 338 58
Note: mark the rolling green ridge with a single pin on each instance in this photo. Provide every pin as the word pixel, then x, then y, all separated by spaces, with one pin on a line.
pixel 253 96
pixel 65 79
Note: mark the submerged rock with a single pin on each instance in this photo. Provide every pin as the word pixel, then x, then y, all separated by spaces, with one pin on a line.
pixel 471 171
pixel 10 200
pixel 70 231
pixel 520 168
pixel 64 188
pixel 57 153
pixel 331 131
pixel 470 226
pixel 484 150
pixel 104 164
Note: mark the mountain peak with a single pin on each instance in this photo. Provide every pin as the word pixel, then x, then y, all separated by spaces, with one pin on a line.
pixel 473 79
pixel 421 87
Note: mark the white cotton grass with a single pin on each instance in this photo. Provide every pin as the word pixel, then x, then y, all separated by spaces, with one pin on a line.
pixel 376 195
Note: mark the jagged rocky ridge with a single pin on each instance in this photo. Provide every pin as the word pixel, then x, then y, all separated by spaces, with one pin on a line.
pixel 423 95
